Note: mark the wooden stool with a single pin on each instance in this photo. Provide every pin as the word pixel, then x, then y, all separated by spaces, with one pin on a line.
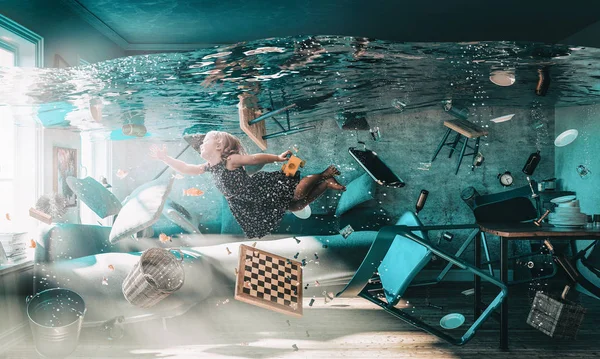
pixel 465 130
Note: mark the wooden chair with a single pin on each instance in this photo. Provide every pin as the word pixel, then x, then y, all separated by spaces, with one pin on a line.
pixel 398 255
pixel 465 131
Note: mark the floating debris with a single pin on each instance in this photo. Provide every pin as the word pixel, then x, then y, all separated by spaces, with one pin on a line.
pixel 469 291
pixel 296 255
pixel 254 244
pixel 346 231
pixel 111 267
pixel 329 295
pixel 435 306
pixel 297 240
pixel 424 166
pixel 178 176
pixel 288 323
pixel 308 335
pixel 304 262
pixel 316 256
pixel 317 283
pixel 288 261
pixel 104 281
pixel 32 243
pixel 236 271
pixel 8 216
pixel 530 264
pixel 295 347
pixel 325 246
pixel 122 174
pixel 312 301
pixel 228 251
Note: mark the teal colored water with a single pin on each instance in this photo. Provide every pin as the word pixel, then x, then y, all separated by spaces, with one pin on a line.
pixel 325 76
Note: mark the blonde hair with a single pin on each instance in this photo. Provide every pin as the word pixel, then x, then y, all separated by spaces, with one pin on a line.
pixel 231 145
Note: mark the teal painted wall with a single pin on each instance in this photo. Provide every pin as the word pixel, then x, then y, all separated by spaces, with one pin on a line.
pixel 64 32
pixel 585 150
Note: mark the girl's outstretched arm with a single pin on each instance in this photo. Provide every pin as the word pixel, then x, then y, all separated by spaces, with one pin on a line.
pixel 257 159
pixel 179 166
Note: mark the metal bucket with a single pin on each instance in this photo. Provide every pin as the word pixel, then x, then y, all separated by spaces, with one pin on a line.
pixel 55 318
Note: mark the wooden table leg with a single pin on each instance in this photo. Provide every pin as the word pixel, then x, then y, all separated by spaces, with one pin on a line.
pixel 504 307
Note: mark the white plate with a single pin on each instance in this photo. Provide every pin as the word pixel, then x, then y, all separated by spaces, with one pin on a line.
pixel 502 78
pixel 502 119
pixel 566 138
pixel 563 199
pixel 304 213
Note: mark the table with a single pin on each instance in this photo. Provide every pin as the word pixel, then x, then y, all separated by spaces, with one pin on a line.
pixel 520 231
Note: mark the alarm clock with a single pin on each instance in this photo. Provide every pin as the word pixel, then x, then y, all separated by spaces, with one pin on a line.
pixel 506 179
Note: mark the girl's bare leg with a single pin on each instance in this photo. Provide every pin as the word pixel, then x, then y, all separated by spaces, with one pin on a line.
pixel 317 191
pixel 308 183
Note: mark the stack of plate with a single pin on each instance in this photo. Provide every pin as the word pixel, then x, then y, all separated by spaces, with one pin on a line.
pixel 567 213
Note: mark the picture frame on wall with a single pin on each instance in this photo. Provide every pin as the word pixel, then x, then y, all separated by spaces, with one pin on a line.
pixel 65 165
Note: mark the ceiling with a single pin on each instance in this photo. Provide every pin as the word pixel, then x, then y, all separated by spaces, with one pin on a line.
pixel 189 24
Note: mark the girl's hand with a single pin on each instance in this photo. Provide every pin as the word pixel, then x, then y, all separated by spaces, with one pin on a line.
pixel 284 156
pixel 158 153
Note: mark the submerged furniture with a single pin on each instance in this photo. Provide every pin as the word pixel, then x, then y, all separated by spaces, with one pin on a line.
pixel 521 231
pixel 375 167
pixel 465 131
pixel 398 255
pixel 254 126
pixel 512 206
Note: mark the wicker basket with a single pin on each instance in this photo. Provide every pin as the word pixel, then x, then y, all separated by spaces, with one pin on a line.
pixel 157 274
pixel 558 319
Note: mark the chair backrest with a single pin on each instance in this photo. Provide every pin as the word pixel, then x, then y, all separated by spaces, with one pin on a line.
pixel 403 261
pixel 509 206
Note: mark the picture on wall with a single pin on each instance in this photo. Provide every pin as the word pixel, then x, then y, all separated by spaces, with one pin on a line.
pixel 65 165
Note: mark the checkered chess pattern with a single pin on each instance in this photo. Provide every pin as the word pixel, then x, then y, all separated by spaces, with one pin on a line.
pixel 269 281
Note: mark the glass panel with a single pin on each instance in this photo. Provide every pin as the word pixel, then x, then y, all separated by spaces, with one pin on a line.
pixel 7 58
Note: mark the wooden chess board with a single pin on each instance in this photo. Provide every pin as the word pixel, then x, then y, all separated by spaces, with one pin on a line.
pixel 269 281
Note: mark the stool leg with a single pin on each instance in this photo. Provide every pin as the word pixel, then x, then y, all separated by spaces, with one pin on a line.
pixel 462 153
pixel 454 143
pixel 441 144
pixel 475 153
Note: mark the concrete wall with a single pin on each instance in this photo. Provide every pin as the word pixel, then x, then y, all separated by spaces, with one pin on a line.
pixel 407 144
pixel 583 151
pixel 64 32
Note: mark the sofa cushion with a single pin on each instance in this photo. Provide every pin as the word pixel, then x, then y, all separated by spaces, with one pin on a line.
pixel 360 190
pixel 95 196
pixel 142 208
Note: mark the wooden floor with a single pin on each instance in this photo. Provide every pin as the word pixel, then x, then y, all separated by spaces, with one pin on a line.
pixel 343 328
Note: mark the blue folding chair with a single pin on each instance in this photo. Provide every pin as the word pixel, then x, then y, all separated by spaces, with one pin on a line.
pixel 396 257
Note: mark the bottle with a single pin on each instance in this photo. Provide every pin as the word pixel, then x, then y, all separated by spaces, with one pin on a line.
pixel 532 163
pixel 421 200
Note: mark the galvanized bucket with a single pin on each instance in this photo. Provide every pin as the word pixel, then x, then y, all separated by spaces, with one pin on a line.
pixel 55 318
pixel 154 277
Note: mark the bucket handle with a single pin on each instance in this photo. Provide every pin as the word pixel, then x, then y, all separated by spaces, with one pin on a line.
pixel 180 253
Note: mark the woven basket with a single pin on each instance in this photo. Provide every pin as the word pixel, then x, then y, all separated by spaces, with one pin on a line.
pixel 154 277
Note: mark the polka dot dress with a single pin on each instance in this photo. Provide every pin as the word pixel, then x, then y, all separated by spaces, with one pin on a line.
pixel 258 202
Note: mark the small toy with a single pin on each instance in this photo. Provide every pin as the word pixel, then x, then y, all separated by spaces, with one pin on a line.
pixel 292 166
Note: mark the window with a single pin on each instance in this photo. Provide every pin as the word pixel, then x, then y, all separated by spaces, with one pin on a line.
pixel 20 182
pixel 7 139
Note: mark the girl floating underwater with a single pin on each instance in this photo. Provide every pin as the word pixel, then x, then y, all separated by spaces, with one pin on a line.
pixel 258 202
